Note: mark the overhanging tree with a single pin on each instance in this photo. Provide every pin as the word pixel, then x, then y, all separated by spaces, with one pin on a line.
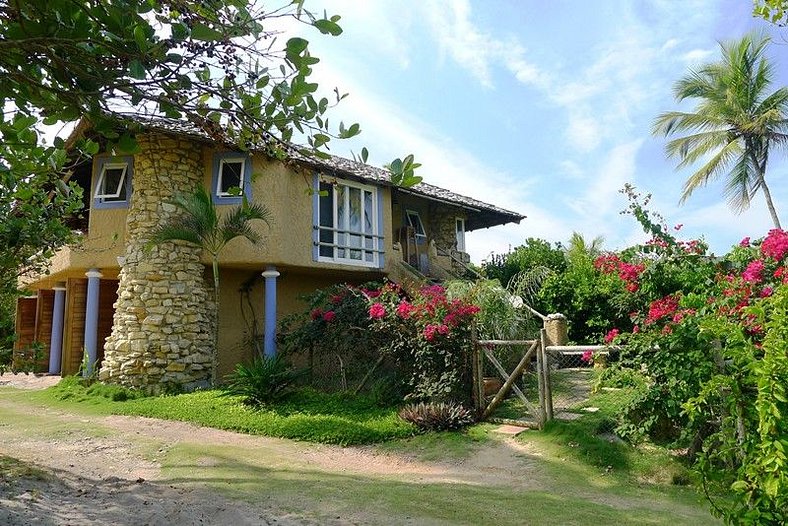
pixel 735 126
pixel 218 64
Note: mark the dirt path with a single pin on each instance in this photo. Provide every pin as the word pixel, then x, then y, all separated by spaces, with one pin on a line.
pixel 141 471
pixel 101 467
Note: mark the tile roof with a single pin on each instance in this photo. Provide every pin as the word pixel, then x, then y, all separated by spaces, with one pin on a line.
pixel 481 214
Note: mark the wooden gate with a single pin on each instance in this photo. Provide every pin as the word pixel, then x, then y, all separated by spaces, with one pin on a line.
pixel 537 406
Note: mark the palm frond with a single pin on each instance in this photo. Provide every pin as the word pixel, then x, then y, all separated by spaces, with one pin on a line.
pixel 712 169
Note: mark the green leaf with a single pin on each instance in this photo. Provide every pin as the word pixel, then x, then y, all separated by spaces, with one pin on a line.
pixel 137 70
pixel 295 46
pixel 140 37
pixel 203 32
pixel 328 27
pixel 127 144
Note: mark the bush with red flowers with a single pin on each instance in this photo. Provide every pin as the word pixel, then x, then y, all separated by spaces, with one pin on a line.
pixel 424 337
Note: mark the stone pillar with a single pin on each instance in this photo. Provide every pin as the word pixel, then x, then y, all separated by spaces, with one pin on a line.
pixel 91 320
pixel 556 328
pixel 269 343
pixel 163 328
pixel 56 340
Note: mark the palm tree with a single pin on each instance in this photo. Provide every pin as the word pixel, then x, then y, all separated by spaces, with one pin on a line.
pixel 199 225
pixel 579 248
pixel 736 122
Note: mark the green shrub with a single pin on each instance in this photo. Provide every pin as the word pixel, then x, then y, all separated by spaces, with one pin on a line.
pixel 263 381
pixel 437 416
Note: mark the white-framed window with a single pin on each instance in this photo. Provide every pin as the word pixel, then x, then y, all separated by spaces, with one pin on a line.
pixel 231 179
pixel 459 228
pixel 348 224
pixel 414 221
pixel 113 182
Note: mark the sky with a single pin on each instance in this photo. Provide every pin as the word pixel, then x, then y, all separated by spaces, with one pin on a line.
pixel 540 108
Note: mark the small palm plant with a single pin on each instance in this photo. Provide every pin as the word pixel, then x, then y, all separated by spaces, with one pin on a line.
pixel 199 225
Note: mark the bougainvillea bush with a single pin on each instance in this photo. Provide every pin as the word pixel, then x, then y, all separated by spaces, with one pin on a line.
pixel 710 337
pixel 423 336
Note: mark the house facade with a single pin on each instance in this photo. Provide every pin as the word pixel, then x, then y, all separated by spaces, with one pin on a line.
pixel 142 315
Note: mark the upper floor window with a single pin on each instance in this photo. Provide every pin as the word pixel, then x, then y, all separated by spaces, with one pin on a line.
pixel 348 225
pixel 113 182
pixel 231 178
pixel 460 230
pixel 414 221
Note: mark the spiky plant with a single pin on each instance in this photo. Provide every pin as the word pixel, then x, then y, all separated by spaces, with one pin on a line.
pixel 437 416
pixel 199 224
pixel 734 126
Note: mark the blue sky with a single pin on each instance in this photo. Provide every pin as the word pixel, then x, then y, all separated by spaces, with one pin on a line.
pixel 541 108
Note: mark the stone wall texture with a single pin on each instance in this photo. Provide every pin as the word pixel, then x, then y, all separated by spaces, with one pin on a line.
pixel 162 335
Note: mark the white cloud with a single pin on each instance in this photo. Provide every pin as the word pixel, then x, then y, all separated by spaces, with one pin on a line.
pixel 474 50
pixel 584 132
pixel 697 56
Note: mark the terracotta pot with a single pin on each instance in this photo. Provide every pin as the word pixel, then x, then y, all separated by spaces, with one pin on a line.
pixel 492 385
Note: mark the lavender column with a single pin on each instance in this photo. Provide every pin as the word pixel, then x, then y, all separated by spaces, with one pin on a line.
pixel 56 340
pixel 91 320
pixel 269 343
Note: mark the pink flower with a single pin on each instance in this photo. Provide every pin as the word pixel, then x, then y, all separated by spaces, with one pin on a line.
pixel 329 316
pixel 610 336
pixel 766 292
pixel 678 227
pixel 753 271
pixel 661 308
pixel 775 245
pixel 587 357
pixel 632 287
pixel 377 311
pixel 635 329
pixel 443 329
pixel 316 314
pixel 337 299
pixel 405 309
pixel 745 242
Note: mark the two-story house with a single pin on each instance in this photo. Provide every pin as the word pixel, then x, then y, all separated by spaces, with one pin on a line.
pixel 144 314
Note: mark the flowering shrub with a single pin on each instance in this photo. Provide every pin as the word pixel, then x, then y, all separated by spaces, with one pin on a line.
pixel 423 336
pixel 709 342
pixel 429 334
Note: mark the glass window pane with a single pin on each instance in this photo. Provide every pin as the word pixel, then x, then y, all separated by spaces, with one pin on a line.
pixel 368 217
pixel 231 177
pixel 326 204
pixel 113 187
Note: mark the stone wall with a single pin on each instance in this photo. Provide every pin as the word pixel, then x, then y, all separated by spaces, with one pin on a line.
pixel 162 334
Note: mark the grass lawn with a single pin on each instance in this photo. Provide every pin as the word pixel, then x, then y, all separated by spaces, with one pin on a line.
pixel 305 415
pixel 564 475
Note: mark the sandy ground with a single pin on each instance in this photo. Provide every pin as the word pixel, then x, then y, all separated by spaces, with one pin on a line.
pixel 109 480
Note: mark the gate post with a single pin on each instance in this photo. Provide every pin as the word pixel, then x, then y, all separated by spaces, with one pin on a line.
pixel 477 371
pixel 554 332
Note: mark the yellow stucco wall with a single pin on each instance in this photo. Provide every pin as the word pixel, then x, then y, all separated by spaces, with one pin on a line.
pixel 233 329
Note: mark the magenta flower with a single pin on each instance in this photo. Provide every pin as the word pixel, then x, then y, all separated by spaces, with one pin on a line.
pixel 775 245
pixel 745 242
pixel 753 271
pixel 377 311
pixel 610 336
pixel 587 357
pixel 329 316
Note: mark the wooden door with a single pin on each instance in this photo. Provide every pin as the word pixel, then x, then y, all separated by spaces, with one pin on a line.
pixel 43 336
pixel 25 331
pixel 74 325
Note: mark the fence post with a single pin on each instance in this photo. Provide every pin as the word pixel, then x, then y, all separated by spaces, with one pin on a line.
pixel 477 371
pixel 544 374
pixel 555 333
pixel 540 355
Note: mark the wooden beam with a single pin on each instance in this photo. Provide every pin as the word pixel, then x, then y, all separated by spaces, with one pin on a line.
pixel 496 401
